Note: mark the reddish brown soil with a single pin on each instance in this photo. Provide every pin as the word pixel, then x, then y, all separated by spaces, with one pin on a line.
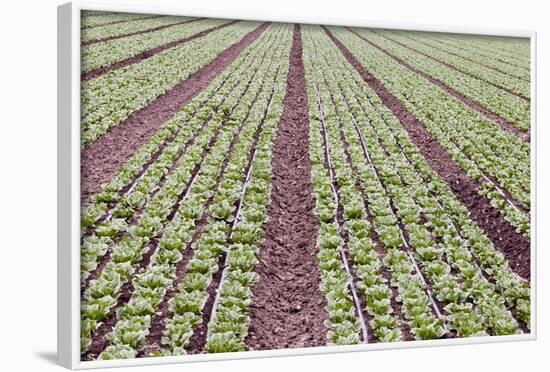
pixel 513 245
pixel 503 123
pixel 148 53
pixel 101 159
pixel 95 41
pixel 197 342
pixel 153 341
pixel 447 64
pixel 288 306
pixel 117 22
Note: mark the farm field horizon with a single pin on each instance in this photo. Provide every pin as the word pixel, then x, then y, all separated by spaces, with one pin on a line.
pixel 257 185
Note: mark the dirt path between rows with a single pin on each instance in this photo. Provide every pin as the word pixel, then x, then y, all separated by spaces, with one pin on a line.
pixel 85 76
pixel 101 159
pixel 503 123
pixel 288 306
pixel 95 41
pixel 513 245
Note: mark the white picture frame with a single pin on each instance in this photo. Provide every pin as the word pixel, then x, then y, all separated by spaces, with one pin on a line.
pixel 68 257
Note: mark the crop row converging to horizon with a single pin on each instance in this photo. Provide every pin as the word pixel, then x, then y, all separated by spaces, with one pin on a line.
pixel 255 185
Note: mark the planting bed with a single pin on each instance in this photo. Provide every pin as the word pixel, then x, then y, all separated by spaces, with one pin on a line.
pixel 253 186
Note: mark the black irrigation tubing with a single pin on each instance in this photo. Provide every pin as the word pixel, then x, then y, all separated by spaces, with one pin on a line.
pixel 359 186
pixel 145 261
pixel 447 64
pixel 127 189
pixel 131 185
pixel 345 252
pixel 409 250
pixel 248 168
pixel 514 203
pixel 477 262
pixel 405 242
pixel 347 153
pixel 329 165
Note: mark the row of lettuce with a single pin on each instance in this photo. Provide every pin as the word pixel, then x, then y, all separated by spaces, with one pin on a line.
pixel 513 51
pixel 109 52
pixel 496 158
pixel 119 30
pixel 480 88
pixel 110 98
pixel 447 274
pixel 472 69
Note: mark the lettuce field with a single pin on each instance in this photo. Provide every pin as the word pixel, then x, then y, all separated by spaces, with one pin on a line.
pixel 255 185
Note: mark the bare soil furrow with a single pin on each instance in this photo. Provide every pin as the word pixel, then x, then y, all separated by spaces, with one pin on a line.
pixel 513 245
pixel 288 306
pixel 101 159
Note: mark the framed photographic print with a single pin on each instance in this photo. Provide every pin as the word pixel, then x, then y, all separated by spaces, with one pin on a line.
pixel 236 186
